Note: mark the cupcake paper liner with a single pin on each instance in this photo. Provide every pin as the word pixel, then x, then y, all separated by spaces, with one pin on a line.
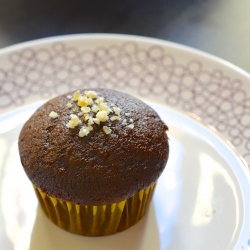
pixel 96 220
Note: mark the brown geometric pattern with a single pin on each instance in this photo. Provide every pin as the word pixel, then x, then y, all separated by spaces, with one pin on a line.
pixel 152 71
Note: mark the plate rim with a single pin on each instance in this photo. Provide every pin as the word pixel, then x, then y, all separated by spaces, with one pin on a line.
pixel 122 37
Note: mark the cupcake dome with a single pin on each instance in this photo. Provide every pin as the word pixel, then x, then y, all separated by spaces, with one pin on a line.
pixel 93 147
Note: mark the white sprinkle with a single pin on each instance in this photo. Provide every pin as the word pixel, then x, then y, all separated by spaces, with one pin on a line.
pixel 53 114
pixel 112 104
pixel 127 114
pixel 131 120
pixel 117 110
pixel 124 121
pixel 106 129
pixel 69 105
pixel 131 126
pixel 83 131
pixel 95 108
pixel 96 120
pixel 69 96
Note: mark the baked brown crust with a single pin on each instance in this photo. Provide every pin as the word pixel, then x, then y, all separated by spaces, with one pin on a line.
pixel 99 168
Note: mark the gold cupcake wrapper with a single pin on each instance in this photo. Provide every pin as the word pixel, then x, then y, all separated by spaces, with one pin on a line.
pixel 96 220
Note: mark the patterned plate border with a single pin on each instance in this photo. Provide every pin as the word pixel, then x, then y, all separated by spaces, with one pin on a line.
pixel 163 72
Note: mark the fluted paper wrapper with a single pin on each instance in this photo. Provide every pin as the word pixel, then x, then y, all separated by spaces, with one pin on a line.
pixel 96 220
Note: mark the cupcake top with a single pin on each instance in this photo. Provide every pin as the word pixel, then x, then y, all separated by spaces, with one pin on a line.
pixel 93 147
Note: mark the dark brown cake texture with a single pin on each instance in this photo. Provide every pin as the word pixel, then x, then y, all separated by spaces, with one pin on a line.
pixel 99 168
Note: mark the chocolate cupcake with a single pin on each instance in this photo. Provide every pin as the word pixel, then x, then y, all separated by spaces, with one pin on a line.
pixel 94 158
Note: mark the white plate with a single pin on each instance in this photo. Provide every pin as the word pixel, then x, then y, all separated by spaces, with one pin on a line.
pixel 201 199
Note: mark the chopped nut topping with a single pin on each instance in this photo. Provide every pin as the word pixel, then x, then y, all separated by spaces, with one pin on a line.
pixel 76 95
pixel 53 114
pixel 73 122
pixel 106 129
pixel 85 110
pixel 69 105
pixel 131 126
pixel 102 116
pixel 91 94
pixel 117 110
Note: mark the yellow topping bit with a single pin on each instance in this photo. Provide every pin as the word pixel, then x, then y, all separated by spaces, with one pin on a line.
pixel 115 118
pixel 99 100
pixel 89 101
pixel 95 108
pixel 96 120
pixel 76 95
pixel 104 106
pixel 106 129
pixel 83 101
pixel 53 114
pixel 85 110
pixel 73 122
pixel 117 110
pixel 102 116
pixel 91 94
pixel 69 105
pixel 86 117
pixel 84 131
pixel 90 127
